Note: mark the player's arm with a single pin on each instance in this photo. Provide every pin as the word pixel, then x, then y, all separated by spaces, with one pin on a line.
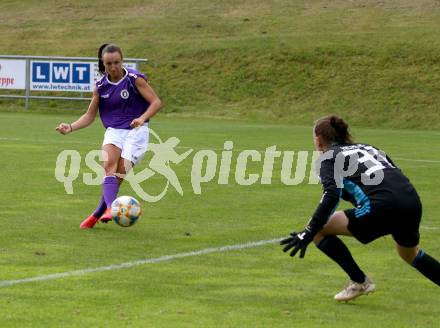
pixel 149 95
pixel 85 120
pixel 329 201
pixel 330 198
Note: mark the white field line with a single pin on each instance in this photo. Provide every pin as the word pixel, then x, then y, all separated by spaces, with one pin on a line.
pixel 417 160
pixel 11 139
pixel 429 228
pixel 196 149
pixel 165 258
pixel 6 283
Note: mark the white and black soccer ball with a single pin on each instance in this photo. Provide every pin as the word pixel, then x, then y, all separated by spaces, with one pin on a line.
pixel 126 211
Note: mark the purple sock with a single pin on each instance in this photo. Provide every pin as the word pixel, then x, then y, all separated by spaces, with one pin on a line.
pixel 110 189
pixel 100 209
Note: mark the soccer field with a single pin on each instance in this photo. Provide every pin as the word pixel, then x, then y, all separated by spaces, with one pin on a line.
pixel 176 271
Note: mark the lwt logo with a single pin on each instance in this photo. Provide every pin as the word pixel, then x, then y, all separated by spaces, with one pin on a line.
pixel 60 72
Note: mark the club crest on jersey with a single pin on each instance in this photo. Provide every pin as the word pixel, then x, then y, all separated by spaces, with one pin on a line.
pixel 125 94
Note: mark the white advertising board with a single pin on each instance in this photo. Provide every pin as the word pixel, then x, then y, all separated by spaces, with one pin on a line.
pixel 13 74
pixel 72 76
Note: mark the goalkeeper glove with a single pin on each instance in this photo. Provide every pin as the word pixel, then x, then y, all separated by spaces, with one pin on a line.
pixel 298 241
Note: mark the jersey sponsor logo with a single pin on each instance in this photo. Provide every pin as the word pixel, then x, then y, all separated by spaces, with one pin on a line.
pixel 105 96
pixel 125 94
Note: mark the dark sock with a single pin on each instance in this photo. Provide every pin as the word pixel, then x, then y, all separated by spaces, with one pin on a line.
pixel 335 249
pixel 100 209
pixel 110 189
pixel 428 266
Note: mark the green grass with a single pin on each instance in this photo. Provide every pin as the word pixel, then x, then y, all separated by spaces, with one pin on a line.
pixel 254 72
pixel 256 287
pixel 280 60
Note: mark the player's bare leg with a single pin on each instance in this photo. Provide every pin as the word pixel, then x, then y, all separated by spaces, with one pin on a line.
pixel 425 264
pixel 408 254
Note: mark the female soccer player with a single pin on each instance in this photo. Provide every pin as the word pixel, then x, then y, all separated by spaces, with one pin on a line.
pixel 385 203
pixel 126 103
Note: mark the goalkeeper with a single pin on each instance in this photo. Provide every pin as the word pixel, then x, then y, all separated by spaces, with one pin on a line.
pixel 385 202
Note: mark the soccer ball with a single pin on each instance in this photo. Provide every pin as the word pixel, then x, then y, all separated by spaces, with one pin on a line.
pixel 125 211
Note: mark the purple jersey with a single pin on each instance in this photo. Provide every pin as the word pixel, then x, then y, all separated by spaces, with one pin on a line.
pixel 120 103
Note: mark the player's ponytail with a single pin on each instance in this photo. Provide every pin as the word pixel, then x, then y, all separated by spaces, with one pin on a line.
pixel 106 47
pixel 341 128
pixel 333 129
pixel 101 67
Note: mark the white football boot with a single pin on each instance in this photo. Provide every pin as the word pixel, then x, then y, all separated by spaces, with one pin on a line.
pixel 355 289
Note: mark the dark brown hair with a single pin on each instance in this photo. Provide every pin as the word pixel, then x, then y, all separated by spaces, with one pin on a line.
pixel 333 129
pixel 106 47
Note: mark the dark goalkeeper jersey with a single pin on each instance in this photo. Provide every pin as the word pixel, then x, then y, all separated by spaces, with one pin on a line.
pixel 362 175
